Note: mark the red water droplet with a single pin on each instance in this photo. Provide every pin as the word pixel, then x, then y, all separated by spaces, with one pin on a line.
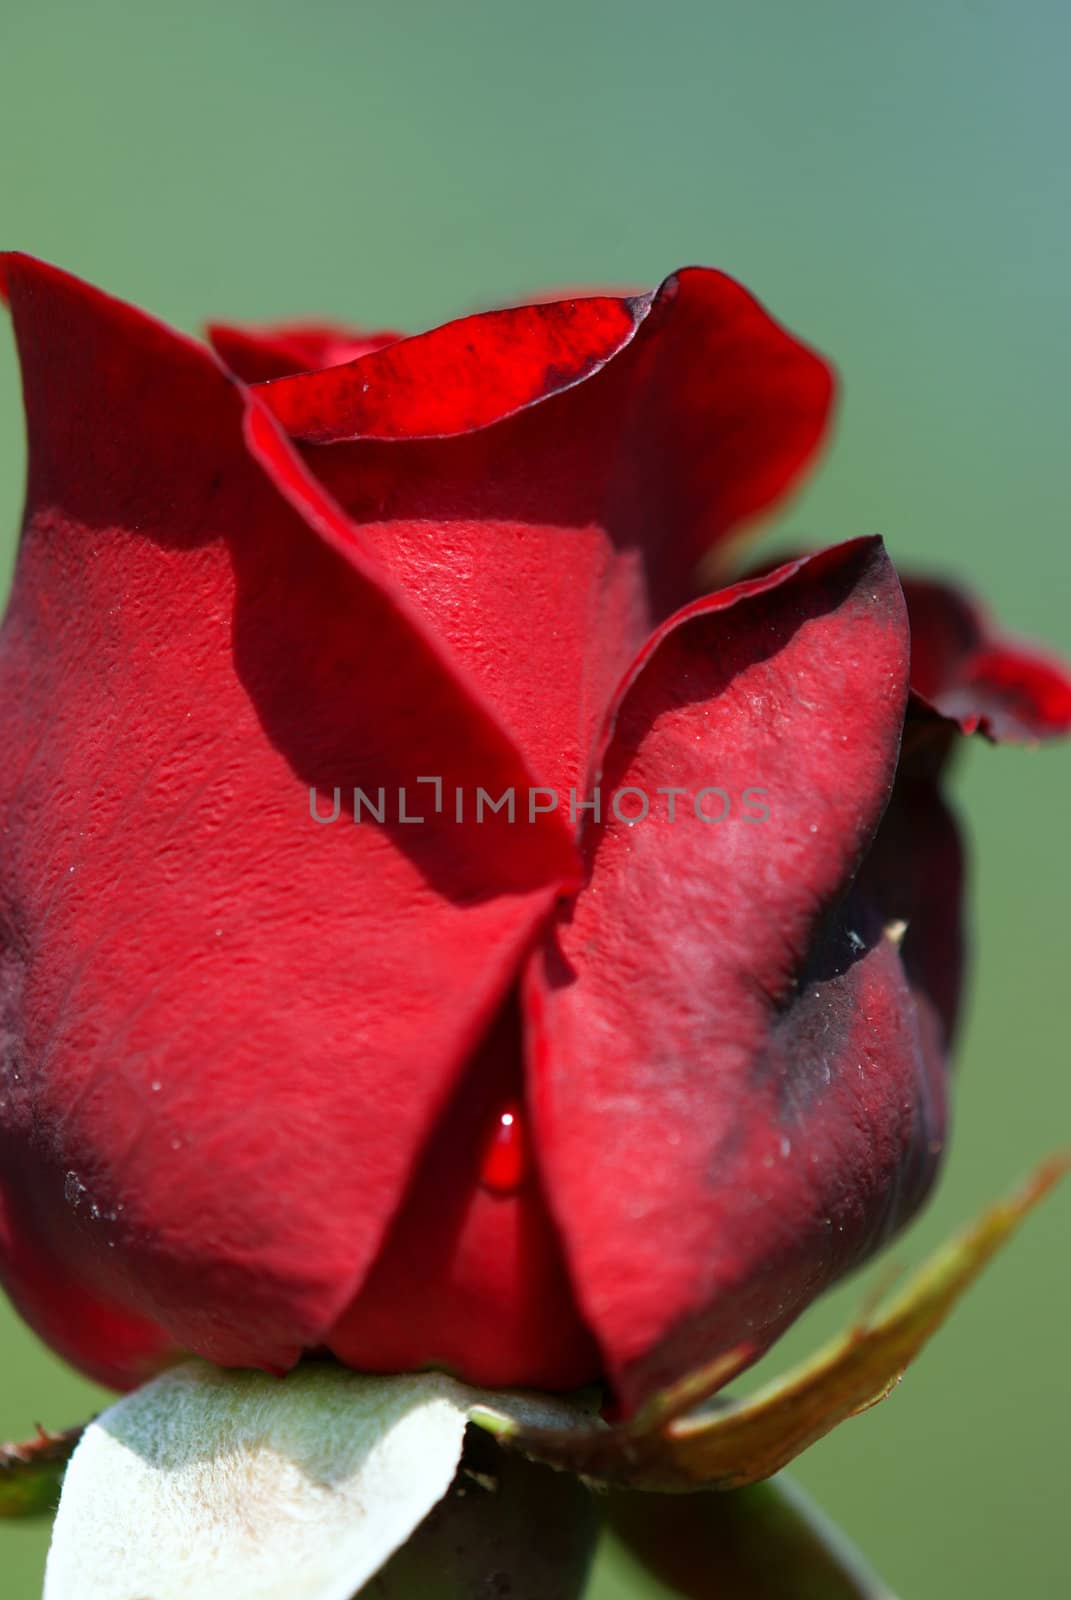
pixel 505 1159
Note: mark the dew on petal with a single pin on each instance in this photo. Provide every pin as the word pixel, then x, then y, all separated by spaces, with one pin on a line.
pixel 505 1161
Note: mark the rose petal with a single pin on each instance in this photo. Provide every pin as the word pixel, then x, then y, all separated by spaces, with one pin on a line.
pixel 732 1105
pixel 257 354
pixel 470 1277
pixel 915 874
pixel 110 1343
pixel 458 377
pixel 542 480
pixel 981 678
pixel 229 1029
pixel 971 675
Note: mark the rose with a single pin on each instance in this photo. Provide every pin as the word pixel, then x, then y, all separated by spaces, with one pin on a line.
pixel 531 1101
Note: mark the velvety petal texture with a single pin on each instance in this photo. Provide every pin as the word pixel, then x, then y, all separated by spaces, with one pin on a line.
pixel 429 935
pixel 229 1028
pixel 732 1101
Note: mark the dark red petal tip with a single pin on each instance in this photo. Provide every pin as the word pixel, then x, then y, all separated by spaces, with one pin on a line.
pixel 982 679
pixel 737 406
pixel 461 376
pixel 733 408
pixel 257 355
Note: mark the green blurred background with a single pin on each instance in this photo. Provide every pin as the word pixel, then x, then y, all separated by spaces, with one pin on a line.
pixel 892 180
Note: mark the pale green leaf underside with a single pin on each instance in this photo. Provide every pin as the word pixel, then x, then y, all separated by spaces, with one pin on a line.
pixel 211 1485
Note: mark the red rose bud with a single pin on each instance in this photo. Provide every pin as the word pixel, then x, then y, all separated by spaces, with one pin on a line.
pixel 606 1073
